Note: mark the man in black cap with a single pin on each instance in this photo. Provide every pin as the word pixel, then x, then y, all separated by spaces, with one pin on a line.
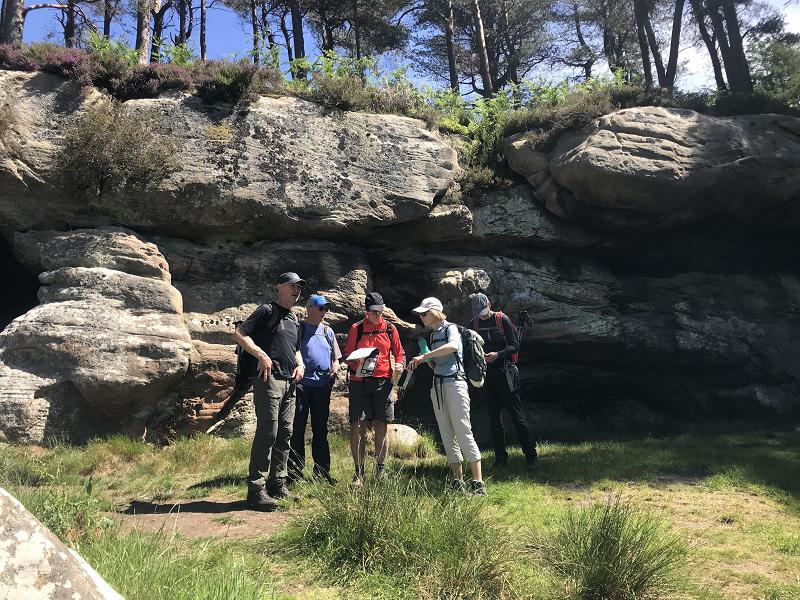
pixel 501 387
pixel 272 335
pixel 371 383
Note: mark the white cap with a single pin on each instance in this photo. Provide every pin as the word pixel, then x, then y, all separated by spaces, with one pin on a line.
pixel 429 304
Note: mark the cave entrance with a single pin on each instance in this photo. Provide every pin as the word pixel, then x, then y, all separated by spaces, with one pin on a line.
pixel 20 285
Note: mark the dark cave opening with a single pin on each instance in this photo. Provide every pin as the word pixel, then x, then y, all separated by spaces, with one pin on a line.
pixel 21 287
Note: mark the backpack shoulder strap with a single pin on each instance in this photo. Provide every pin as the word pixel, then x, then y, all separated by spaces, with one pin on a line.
pixel 359 331
pixel 390 332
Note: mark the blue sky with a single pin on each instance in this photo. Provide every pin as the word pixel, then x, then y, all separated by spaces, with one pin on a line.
pixel 228 38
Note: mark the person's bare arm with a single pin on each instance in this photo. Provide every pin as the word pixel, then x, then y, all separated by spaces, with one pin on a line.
pixel 300 369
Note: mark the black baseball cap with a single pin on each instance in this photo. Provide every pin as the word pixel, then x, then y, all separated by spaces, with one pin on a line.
pixel 291 278
pixel 374 301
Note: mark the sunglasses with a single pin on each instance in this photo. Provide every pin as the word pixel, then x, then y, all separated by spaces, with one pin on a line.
pixel 423 314
pixel 324 308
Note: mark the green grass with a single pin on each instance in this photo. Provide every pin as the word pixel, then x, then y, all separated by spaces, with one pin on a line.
pixel 611 551
pixel 732 496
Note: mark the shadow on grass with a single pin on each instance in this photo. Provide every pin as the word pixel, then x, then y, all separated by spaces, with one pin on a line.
pixel 218 482
pixel 740 458
pixel 199 506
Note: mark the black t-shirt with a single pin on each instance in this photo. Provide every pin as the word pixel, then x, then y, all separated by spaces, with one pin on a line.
pixel 504 343
pixel 280 341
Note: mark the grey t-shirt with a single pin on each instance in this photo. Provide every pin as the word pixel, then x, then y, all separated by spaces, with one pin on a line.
pixel 447 365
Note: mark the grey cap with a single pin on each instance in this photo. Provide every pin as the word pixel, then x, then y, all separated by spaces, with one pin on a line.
pixel 290 277
pixel 480 303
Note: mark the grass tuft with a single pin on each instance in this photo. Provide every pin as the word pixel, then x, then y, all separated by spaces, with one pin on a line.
pixel 612 551
pixel 449 546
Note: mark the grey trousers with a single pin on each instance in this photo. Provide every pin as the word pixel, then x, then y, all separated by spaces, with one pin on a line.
pixel 274 402
pixel 450 399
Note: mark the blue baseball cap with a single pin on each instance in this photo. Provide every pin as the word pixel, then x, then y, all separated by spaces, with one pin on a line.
pixel 317 300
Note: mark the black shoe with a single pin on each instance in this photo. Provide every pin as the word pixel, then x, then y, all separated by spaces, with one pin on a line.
pixel 258 499
pixel 478 488
pixel 530 461
pixel 277 489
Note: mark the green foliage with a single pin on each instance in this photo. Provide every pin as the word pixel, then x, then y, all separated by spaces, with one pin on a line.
pixel 612 551
pixel 160 567
pixel 108 151
pixel 776 69
pixel 444 546
pixel 218 81
pixel 77 519
pixel 105 49
pixel 178 54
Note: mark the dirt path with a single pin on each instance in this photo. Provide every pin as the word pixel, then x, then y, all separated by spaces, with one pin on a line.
pixel 201 518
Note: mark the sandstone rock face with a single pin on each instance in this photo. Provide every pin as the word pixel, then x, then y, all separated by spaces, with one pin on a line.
pixel 106 342
pixel 655 168
pixel 282 168
pixel 36 565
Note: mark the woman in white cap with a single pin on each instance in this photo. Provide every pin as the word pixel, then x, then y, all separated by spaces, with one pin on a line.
pixel 450 395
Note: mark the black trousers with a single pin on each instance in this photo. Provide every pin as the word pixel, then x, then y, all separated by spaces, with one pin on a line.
pixel 315 401
pixel 496 395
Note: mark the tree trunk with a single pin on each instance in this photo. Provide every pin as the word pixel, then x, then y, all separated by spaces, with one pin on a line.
pixel 672 62
pixel 13 23
pixel 356 30
pixel 181 39
pixel 699 17
pixel 159 14
pixel 2 15
pixel 266 30
pixel 287 39
pixel 651 39
pixel 643 45
pixel 735 83
pixel 736 47
pixel 203 30
pixel 589 61
pixel 449 36
pixel 108 15
pixel 297 35
pixel 254 21
pixel 513 55
pixel 69 24
pixel 143 8
pixel 190 16
pixel 480 41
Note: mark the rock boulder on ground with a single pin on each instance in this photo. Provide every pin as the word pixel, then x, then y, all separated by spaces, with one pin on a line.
pixel 106 342
pixel 36 565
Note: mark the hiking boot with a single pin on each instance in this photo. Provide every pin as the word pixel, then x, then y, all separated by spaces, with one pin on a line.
pixel 258 499
pixel 277 489
pixel 458 486
pixel 380 473
pixel 530 461
pixel 478 488
pixel 358 480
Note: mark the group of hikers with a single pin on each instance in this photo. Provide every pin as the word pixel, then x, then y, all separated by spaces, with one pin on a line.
pixel 297 363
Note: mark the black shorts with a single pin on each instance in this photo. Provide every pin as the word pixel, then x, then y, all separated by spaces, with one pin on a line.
pixel 369 399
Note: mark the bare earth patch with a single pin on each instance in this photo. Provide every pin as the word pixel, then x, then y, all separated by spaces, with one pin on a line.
pixel 201 518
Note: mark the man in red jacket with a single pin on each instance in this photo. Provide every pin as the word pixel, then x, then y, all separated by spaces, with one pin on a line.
pixel 371 383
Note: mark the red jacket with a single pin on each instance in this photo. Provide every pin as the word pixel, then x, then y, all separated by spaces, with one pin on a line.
pixel 376 336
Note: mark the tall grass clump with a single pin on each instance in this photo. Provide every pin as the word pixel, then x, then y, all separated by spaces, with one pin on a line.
pixel 612 551
pixel 443 546
pixel 143 566
pixel 108 150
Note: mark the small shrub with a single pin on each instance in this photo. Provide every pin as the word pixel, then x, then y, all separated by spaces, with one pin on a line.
pixel 218 81
pixel 613 552
pixel 107 151
pixel 446 547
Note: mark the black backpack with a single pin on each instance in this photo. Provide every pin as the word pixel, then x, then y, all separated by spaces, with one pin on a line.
pixel 246 363
pixel 474 365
